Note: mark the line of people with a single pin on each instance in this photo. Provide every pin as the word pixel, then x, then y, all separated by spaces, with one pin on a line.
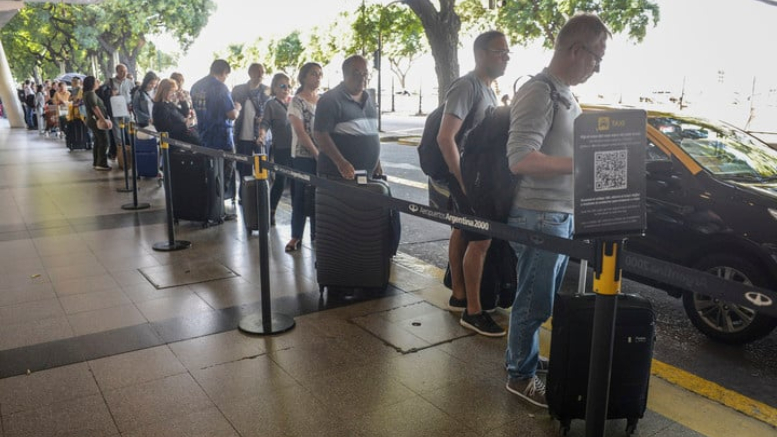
pixel 302 135
pixel 46 105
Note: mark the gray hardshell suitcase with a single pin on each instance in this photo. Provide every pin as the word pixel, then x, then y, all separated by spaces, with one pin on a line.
pixel 354 239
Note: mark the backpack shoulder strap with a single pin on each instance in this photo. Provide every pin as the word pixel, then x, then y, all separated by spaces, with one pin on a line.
pixel 469 120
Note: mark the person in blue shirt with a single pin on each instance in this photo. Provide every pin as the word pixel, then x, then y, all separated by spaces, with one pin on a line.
pixel 215 108
pixel 216 112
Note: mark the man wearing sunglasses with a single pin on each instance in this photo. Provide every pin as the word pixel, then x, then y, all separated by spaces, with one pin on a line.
pixel 540 148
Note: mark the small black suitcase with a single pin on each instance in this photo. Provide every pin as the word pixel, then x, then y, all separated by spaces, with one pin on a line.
pixel 248 203
pixel 570 353
pixel 354 239
pixel 197 190
pixel 77 135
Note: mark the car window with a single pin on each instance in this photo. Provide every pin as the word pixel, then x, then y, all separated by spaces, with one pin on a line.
pixel 720 148
pixel 654 153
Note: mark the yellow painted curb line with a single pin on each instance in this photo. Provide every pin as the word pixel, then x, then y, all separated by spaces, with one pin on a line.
pixel 673 391
pixel 715 392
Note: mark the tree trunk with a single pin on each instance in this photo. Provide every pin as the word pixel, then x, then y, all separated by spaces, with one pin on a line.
pixel 442 31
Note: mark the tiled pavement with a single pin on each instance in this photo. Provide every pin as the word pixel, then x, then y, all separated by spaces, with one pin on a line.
pixel 89 347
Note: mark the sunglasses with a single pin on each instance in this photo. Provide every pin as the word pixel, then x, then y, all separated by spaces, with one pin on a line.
pixel 284 86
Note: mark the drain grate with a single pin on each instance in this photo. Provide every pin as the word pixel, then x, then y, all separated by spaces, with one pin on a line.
pixel 413 327
pixel 175 275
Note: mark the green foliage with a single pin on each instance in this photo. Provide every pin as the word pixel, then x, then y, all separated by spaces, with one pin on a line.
pixel 288 51
pixel 395 29
pixel 73 33
pixel 239 56
pixel 285 54
pixel 525 21
pixel 155 60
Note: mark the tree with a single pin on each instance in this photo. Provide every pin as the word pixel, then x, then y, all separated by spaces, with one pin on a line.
pixel 74 34
pixel 286 53
pixel 240 55
pixel 37 41
pixel 124 27
pixel 523 21
pixel 396 31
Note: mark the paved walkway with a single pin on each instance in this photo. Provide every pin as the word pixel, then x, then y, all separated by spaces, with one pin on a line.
pixel 102 336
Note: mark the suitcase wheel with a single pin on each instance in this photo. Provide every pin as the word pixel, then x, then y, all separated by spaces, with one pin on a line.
pixel 631 426
pixel 564 426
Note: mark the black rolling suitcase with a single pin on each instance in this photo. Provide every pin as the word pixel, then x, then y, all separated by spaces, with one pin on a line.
pixel 197 189
pixel 248 202
pixel 354 240
pixel 77 135
pixel 570 353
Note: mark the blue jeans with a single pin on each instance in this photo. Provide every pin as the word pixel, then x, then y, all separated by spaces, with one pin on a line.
pixel 308 165
pixel 539 278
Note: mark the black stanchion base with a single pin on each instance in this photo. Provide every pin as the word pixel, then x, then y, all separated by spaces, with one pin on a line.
pixel 279 323
pixel 132 206
pixel 166 246
pixel 124 190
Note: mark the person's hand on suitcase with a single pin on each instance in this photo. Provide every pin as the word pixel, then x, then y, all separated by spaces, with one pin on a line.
pixel 346 170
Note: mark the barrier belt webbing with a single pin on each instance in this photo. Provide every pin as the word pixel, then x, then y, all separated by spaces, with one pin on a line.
pixel 757 298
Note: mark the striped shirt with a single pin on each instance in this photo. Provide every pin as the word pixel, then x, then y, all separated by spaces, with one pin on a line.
pixel 353 126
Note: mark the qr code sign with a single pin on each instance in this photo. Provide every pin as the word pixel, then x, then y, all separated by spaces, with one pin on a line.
pixel 610 170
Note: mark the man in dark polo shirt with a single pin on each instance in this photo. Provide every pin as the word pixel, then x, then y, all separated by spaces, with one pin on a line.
pixel 346 125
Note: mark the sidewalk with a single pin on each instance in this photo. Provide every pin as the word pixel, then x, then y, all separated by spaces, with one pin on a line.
pixel 100 335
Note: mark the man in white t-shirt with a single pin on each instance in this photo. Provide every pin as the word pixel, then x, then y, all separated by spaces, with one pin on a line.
pixel 121 85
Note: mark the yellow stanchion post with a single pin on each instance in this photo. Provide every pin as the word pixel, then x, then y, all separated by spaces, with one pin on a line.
pixel 171 244
pixel 134 205
pixel 607 286
pixel 126 188
pixel 265 323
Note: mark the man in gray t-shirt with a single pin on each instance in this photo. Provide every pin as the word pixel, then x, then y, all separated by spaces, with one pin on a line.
pixel 540 148
pixel 467 250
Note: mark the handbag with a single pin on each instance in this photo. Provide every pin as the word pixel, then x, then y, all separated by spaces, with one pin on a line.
pixel 104 124
pixel 120 156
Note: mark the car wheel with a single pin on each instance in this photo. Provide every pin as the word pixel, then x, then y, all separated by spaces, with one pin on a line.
pixel 721 320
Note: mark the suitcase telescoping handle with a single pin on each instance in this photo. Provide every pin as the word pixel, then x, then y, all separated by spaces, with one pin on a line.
pixel 582 276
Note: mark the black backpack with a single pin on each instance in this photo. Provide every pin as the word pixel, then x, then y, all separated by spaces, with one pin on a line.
pixel 499 282
pixel 105 92
pixel 484 168
pixel 429 154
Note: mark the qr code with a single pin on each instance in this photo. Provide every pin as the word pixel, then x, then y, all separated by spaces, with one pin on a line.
pixel 610 170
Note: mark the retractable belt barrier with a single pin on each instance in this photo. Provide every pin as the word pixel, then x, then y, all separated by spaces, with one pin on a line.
pixel 756 298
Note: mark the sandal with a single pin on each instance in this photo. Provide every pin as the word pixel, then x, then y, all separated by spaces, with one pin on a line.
pixel 293 245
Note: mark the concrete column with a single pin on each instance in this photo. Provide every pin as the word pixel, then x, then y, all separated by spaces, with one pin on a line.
pixel 11 104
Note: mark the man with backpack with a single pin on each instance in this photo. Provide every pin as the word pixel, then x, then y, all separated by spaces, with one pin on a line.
pixel 540 150
pixel 465 105
pixel 119 85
